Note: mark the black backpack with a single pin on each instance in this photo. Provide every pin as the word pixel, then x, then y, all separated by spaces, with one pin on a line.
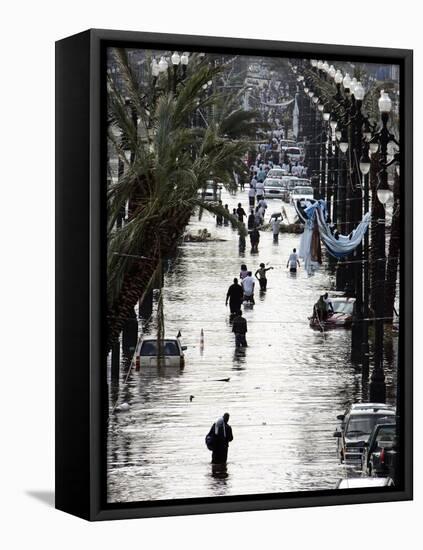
pixel 211 439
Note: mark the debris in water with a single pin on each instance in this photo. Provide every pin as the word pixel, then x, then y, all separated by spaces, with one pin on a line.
pixel 122 408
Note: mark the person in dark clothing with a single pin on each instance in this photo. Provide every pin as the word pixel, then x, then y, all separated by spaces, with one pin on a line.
pixel 219 217
pixel 222 435
pixel 240 213
pixel 239 328
pixel 235 296
pixel 241 241
pixel 251 222
pixel 225 220
pixel 254 239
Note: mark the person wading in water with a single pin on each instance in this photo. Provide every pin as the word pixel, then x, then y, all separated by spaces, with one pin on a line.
pixel 218 439
pixel 235 296
pixel 293 261
pixel 262 279
pixel 239 328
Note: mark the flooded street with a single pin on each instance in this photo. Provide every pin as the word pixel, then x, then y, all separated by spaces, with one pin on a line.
pixel 283 394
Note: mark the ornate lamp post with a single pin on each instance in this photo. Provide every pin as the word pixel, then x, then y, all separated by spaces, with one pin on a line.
pixel 356 211
pixel 382 138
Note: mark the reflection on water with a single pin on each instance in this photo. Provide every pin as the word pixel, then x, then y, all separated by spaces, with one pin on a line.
pixel 283 391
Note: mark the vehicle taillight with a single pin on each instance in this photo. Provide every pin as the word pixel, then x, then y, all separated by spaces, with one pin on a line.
pixel 382 456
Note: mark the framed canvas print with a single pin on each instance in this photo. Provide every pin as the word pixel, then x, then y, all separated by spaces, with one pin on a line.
pixel 234 274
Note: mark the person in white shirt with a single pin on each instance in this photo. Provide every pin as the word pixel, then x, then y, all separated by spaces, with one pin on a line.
pixel 293 261
pixel 275 229
pixel 248 284
pixel 259 190
pixel 252 194
pixel 262 211
pixel 296 170
pixel 286 166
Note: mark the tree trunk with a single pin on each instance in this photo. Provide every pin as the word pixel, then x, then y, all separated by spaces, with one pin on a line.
pixel 138 280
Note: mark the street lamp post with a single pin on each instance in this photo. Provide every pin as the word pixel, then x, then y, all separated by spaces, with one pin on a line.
pixel 356 216
pixel 176 59
pixel 382 138
pixel 365 165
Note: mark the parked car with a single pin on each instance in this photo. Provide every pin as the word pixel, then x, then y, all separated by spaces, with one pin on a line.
pixel 356 426
pixel 289 183
pixel 362 407
pixel 363 482
pixel 380 451
pixel 273 188
pixel 276 173
pixel 342 316
pixel 286 143
pixel 211 192
pixel 294 154
pixel 301 192
pixel 173 353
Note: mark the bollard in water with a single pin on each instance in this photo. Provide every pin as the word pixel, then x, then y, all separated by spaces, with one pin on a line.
pixel 202 341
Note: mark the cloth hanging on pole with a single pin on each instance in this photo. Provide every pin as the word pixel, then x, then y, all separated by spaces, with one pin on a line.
pixel 316 228
pixel 300 205
pixel 338 245
pixel 306 246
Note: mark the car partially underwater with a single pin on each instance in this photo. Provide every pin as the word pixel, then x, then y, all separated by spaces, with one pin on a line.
pixel 342 316
pixel 172 353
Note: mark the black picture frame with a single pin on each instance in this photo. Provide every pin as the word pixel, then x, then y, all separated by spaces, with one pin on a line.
pixel 80 279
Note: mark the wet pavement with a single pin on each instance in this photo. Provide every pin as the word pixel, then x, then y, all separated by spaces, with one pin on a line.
pixel 283 394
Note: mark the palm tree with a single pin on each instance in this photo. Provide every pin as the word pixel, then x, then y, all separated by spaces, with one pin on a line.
pixel 170 161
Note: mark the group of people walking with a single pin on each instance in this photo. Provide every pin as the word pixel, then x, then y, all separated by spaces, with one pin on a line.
pixel 243 292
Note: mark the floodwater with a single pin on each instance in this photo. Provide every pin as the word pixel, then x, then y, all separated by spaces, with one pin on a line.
pixel 283 392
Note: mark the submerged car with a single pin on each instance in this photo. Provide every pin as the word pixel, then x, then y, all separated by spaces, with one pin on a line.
pixel 342 316
pixel 363 482
pixel 273 188
pixel 380 452
pixel 172 353
pixel 356 426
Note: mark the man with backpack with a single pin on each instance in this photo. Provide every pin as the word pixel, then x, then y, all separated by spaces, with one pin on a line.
pixel 218 439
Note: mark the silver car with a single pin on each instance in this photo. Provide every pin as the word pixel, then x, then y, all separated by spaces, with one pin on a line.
pixel 273 188
pixel 173 353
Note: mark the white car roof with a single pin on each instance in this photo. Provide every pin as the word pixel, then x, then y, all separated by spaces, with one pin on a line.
pixel 365 412
pixel 368 405
pixel 164 339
